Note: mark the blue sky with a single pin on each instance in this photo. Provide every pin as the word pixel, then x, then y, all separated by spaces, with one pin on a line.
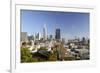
pixel 71 24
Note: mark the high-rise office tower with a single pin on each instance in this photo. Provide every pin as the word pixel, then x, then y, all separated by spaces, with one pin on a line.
pixel 38 36
pixel 57 34
pixel 45 32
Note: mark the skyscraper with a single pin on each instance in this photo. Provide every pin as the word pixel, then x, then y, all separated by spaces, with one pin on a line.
pixel 57 34
pixel 45 32
pixel 37 36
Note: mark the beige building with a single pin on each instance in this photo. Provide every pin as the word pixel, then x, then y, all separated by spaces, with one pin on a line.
pixel 24 37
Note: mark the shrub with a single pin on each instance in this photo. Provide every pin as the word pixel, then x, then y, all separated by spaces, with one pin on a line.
pixel 69 58
pixel 26 55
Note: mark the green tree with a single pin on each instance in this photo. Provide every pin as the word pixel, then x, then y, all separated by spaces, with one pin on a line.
pixel 52 57
pixel 26 55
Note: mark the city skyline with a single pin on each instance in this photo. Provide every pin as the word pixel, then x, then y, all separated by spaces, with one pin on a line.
pixel 71 24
